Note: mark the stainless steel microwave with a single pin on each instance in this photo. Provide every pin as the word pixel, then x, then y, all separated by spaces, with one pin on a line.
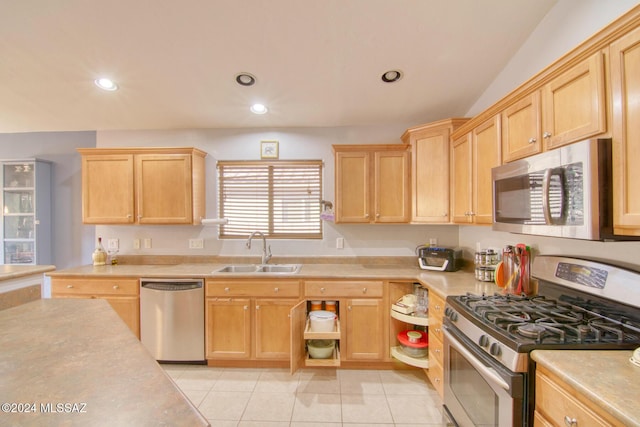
pixel 565 192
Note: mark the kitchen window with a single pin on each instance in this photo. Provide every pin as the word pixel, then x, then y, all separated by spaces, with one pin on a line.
pixel 279 198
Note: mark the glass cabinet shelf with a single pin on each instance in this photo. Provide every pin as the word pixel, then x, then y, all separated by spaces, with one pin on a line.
pixel 26 212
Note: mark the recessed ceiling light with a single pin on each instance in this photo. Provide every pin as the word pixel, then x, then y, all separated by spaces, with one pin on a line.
pixel 391 76
pixel 258 109
pixel 106 84
pixel 245 79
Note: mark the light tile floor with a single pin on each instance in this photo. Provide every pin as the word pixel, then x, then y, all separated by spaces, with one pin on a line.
pixel 309 398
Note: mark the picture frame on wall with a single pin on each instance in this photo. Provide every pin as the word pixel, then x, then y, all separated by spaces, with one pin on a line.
pixel 269 149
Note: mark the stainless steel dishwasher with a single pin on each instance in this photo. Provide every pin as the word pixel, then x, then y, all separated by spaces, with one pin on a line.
pixel 172 319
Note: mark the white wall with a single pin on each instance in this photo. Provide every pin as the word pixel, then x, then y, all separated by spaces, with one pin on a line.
pixel 295 143
pixel 568 24
pixel 72 241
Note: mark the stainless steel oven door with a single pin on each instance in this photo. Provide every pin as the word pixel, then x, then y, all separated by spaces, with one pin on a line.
pixel 478 391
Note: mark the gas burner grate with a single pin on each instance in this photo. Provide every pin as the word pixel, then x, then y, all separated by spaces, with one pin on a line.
pixel 549 321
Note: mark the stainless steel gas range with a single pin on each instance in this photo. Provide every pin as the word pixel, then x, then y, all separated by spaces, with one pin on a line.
pixel 580 304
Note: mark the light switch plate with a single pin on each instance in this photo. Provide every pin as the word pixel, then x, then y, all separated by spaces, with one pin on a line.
pixel 113 244
pixel 147 243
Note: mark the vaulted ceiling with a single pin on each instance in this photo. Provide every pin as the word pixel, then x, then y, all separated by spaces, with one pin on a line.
pixel 316 62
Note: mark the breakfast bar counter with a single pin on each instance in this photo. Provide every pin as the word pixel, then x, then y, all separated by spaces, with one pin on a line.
pixel 74 362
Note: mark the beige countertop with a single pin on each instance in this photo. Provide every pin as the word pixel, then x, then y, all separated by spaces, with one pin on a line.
pixel 444 283
pixel 78 352
pixel 12 271
pixel 606 377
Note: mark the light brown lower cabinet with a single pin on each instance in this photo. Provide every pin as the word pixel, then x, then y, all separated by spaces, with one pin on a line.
pixel 360 330
pixel 123 294
pixel 559 404
pixel 248 319
pixel 436 339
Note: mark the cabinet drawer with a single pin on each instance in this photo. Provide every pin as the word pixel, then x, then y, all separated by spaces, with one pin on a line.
pixel 336 289
pixel 556 402
pixel 102 286
pixel 436 375
pixel 253 288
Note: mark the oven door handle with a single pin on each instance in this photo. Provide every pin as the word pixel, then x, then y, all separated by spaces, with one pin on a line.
pixel 485 370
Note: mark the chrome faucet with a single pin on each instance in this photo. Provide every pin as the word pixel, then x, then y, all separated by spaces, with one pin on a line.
pixel 265 256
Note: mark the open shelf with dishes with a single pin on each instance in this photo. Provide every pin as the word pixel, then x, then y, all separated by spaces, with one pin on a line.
pixel 409 330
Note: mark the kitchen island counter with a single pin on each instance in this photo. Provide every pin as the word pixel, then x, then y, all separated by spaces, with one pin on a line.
pixel 443 283
pixel 12 271
pixel 21 283
pixel 605 377
pixel 74 362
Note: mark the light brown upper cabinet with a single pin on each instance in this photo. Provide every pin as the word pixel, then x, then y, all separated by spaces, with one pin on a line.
pixel 521 128
pixel 473 156
pixel 568 108
pixel 625 90
pixel 573 104
pixel 372 183
pixel 430 146
pixel 143 185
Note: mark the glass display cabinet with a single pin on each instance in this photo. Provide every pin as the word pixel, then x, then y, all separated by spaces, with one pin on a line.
pixel 26 212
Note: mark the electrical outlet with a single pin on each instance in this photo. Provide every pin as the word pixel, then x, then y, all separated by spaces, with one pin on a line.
pixel 147 243
pixel 113 244
pixel 136 243
pixel 196 244
pixel 340 243
pixel 433 241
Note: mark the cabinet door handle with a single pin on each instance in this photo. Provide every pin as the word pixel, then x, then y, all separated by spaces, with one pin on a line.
pixel 246 307
pixel 116 287
pixel 570 422
pixel 139 216
pixel 378 215
pixel 364 290
pixel 276 290
pixel 69 286
pixel 257 307
pixel 349 308
pixel 532 140
pixel 129 216
pixel 438 330
pixel 444 214
pixel 322 290
pixel 366 215
pixel 546 135
pixel 226 289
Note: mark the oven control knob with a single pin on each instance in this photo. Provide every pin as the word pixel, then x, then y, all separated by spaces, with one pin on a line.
pixel 494 350
pixel 483 341
pixel 451 314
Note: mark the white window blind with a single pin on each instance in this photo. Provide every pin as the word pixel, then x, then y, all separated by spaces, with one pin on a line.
pixel 279 198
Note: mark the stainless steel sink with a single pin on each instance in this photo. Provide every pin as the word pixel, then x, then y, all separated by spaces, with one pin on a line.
pixel 242 268
pixel 280 268
pixel 261 268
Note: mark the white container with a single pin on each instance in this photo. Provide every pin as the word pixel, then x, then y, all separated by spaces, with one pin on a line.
pixel 322 321
pixel 321 349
